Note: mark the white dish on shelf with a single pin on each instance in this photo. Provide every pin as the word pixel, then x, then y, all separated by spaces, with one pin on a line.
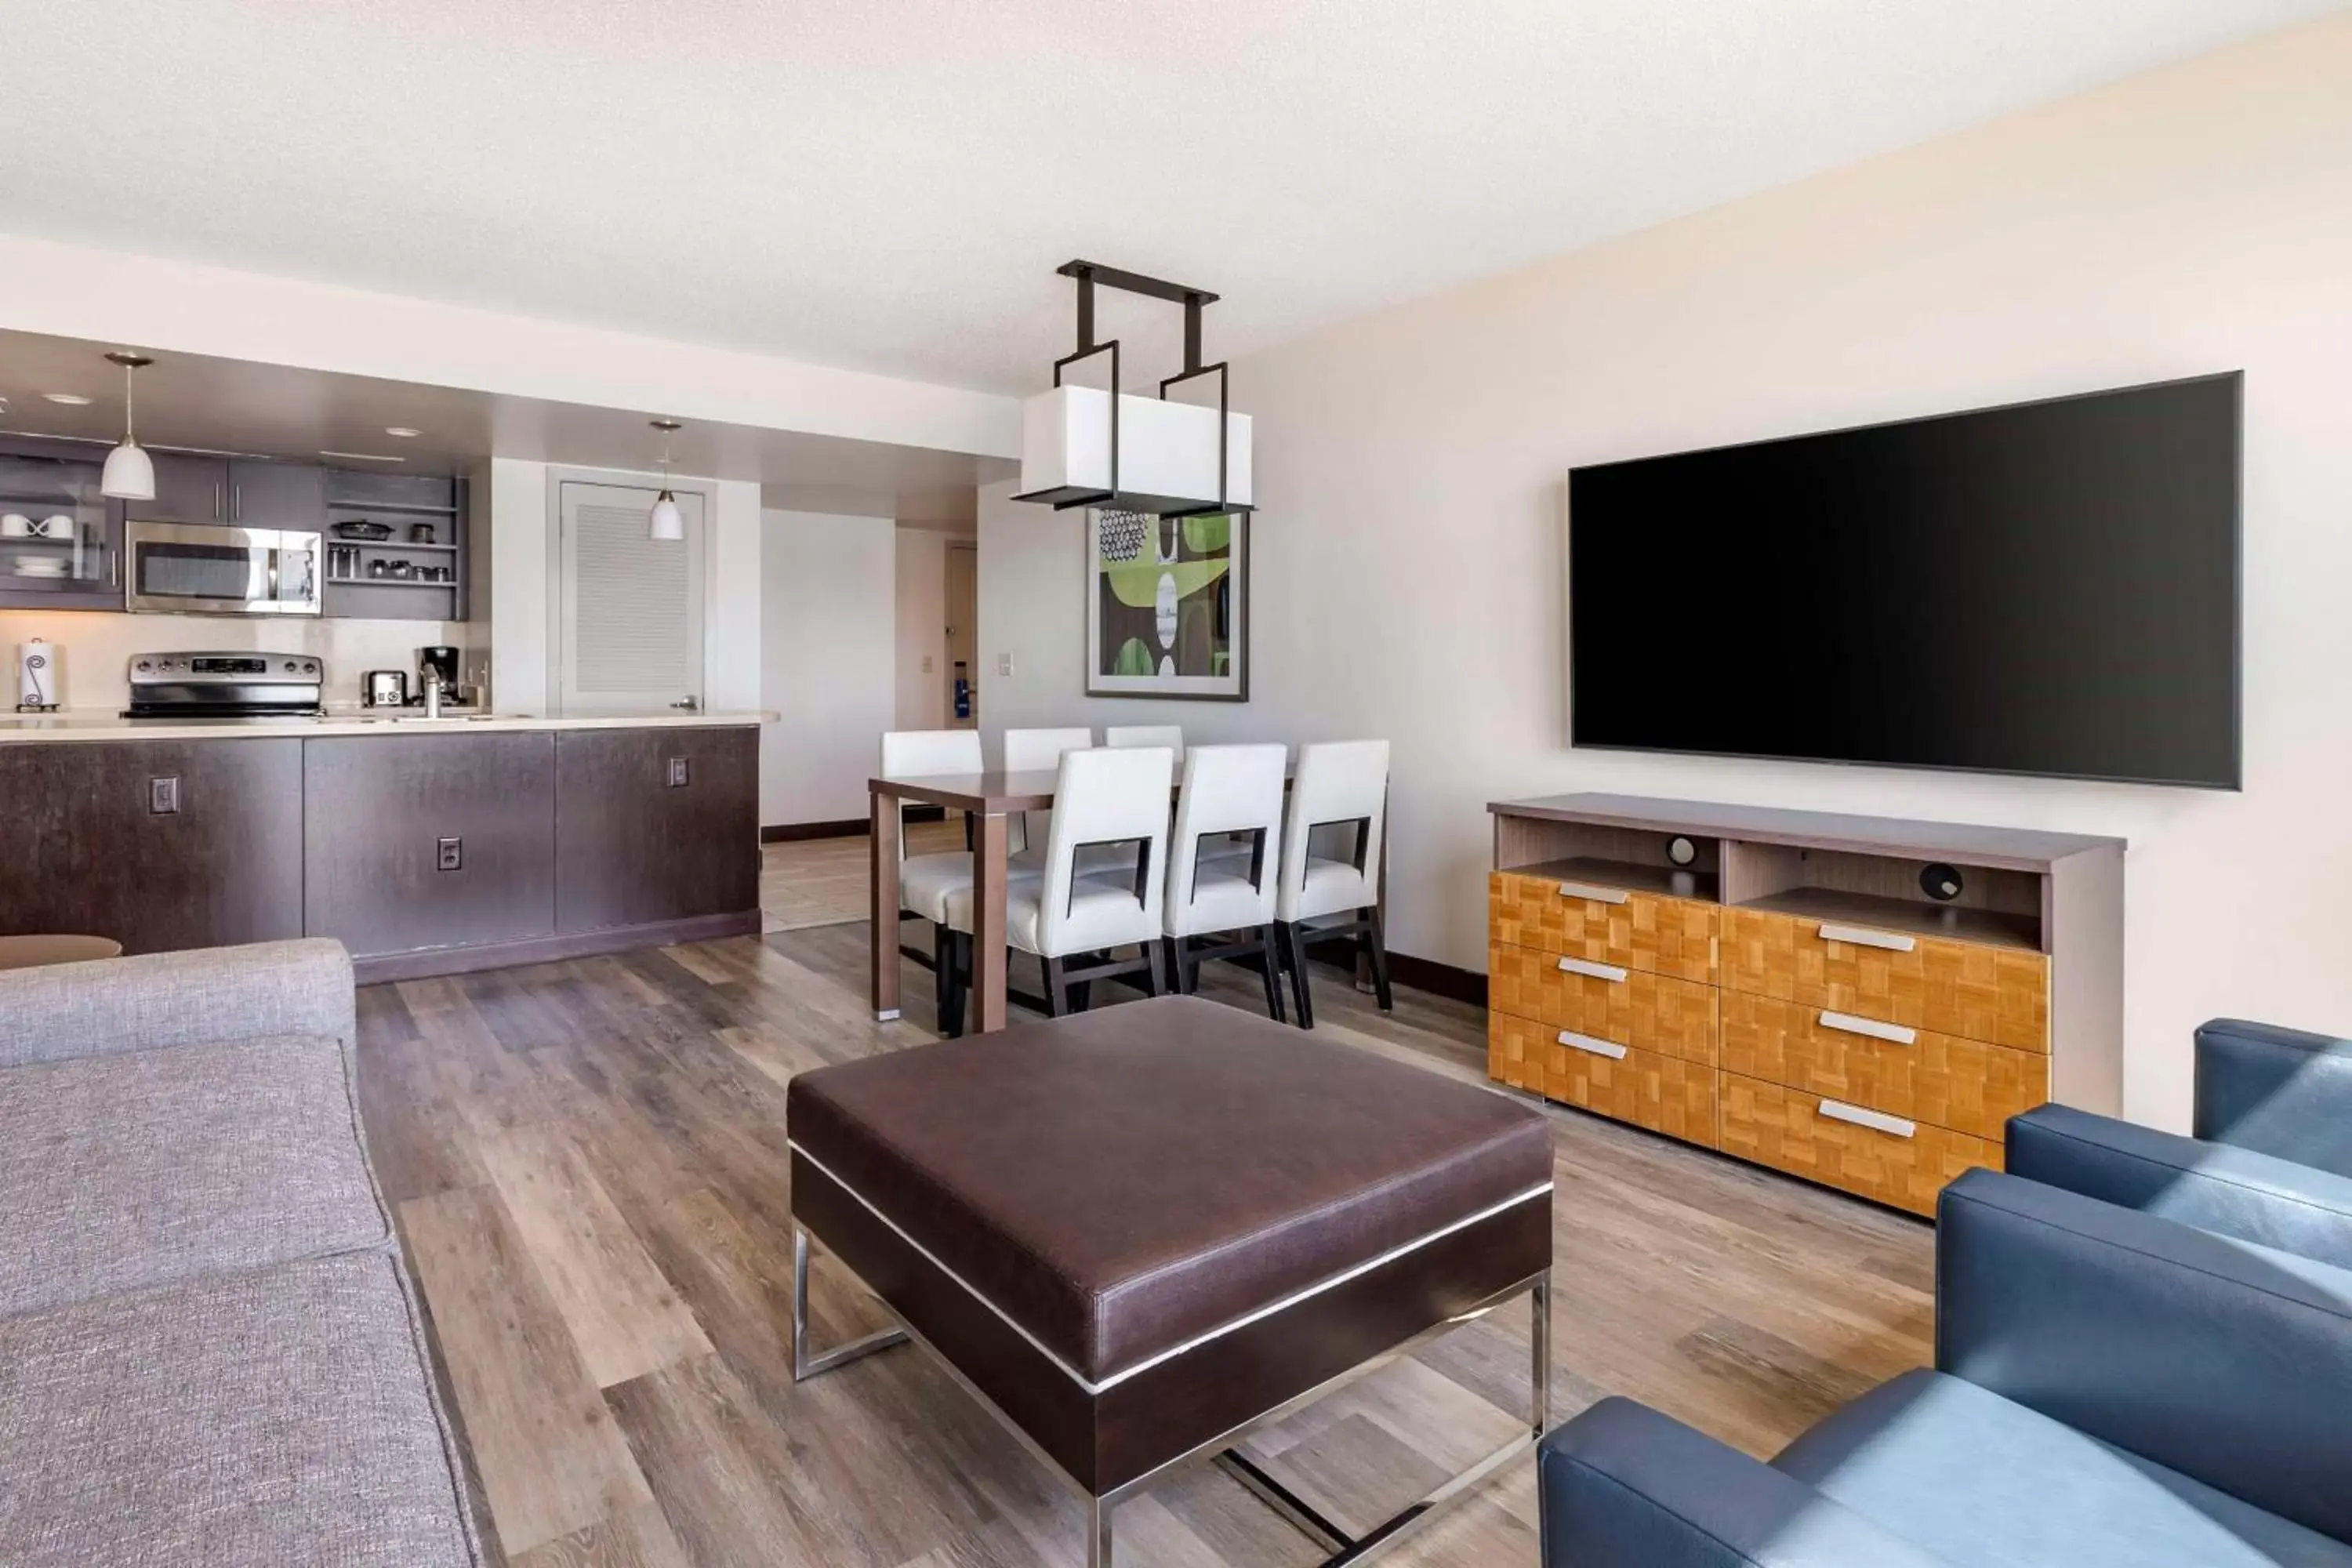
pixel 16 525
pixel 57 525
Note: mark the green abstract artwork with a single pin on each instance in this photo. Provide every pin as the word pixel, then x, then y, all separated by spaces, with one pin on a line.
pixel 1166 613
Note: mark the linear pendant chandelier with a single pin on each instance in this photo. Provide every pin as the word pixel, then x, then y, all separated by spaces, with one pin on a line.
pixel 1085 446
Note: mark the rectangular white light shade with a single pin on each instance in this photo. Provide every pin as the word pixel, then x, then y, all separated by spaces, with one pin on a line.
pixel 1167 451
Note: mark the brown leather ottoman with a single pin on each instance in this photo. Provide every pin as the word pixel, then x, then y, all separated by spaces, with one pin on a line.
pixel 1136 1233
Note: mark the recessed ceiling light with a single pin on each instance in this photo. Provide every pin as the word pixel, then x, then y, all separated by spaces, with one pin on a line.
pixel 362 457
pixel 71 399
pixel 402 431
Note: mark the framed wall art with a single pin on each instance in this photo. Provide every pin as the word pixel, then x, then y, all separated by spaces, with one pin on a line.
pixel 1168 605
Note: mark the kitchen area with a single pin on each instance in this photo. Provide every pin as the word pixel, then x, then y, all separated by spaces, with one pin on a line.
pixel 252 683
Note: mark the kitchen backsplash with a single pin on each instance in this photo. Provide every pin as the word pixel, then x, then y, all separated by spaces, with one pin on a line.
pixel 98 648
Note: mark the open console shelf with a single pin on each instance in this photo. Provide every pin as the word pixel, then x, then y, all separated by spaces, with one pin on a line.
pixel 1787 990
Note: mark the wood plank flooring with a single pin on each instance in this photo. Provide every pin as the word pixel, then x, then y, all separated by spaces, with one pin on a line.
pixel 821 881
pixel 587 1165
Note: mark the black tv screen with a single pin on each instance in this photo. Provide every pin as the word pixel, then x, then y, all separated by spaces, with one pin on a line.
pixel 2049 588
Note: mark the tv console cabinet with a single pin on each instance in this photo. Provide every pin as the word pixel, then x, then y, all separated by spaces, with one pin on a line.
pixel 1791 995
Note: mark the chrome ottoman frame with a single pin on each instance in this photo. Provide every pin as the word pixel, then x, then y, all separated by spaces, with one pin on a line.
pixel 1222 1449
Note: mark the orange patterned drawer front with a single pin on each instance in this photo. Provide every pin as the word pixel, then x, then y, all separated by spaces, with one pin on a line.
pixel 1965 1085
pixel 1674 1017
pixel 1648 931
pixel 1663 1093
pixel 1953 987
pixel 1827 1140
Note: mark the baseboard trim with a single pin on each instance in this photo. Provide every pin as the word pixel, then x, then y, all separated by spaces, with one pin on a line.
pixel 793 832
pixel 429 962
pixel 1421 974
pixel 1438 979
pixel 845 827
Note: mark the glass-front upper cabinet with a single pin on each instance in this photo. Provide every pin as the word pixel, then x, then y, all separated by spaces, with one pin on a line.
pixel 59 545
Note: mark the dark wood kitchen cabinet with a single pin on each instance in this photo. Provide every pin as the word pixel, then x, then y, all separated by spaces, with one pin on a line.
pixel 278 495
pixel 160 845
pixel 188 488
pixel 76 561
pixel 655 824
pixel 415 843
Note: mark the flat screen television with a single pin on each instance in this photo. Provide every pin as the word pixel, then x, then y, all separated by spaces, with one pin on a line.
pixel 2049 588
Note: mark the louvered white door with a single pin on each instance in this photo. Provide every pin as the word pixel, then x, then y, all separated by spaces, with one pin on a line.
pixel 631 606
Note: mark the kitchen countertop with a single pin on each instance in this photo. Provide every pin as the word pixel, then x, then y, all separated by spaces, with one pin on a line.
pixel 100 724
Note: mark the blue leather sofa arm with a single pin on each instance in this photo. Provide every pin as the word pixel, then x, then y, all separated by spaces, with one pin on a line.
pixel 2277 1091
pixel 2221 1360
pixel 1623 1487
pixel 2252 1196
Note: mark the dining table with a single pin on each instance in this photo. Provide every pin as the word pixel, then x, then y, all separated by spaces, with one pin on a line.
pixel 989 800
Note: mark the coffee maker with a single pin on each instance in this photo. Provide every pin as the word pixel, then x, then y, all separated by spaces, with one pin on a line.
pixel 442 662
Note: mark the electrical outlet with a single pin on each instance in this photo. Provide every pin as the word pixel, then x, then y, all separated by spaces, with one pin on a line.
pixel 1003 664
pixel 677 774
pixel 926 664
pixel 163 796
pixel 450 855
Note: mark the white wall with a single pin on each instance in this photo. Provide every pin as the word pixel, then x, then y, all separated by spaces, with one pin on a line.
pixel 922 630
pixel 185 307
pixel 1411 465
pixel 829 643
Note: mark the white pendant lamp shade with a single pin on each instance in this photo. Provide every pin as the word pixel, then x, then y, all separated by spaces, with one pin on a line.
pixel 1168 454
pixel 668 521
pixel 130 472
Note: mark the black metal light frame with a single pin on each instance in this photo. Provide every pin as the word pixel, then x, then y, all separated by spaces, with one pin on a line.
pixel 1194 300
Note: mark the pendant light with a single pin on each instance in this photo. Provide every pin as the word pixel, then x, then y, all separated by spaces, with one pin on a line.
pixel 667 522
pixel 129 473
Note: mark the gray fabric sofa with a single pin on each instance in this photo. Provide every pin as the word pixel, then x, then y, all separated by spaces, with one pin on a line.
pixel 2270 1159
pixel 2111 1390
pixel 209 1349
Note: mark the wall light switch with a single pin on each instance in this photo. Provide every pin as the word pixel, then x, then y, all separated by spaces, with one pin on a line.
pixel 163 796
pixel 451 855
pixel 677 772
pixel 926 664
pixel 1003 664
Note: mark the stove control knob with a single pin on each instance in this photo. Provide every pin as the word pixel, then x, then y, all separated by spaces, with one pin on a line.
pixel 290 667
pixel 147 664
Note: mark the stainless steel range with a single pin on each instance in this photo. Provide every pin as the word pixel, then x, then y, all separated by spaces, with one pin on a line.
pixel 244 684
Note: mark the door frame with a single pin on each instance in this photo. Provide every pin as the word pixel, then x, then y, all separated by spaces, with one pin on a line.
pixel 558 476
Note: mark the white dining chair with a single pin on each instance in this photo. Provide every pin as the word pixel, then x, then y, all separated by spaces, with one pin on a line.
pixel 1069 917
pixel 1221 907
pixel 1169 735
pixel 1342 785
pixel 1038 751
pixel 926 881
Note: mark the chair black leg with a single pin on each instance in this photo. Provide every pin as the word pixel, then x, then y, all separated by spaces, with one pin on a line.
pixel 1270 967
pixel 1058 992
pixel 942 972
pixel 1294 953
pixel 955 966
pixel 1378 945
pixel 1156 954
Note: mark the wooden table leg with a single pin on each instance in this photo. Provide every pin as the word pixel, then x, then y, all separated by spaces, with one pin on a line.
pixel 885 879
pixel 988 926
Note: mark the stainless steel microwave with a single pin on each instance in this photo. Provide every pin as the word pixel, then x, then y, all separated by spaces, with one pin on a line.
pixel 209 570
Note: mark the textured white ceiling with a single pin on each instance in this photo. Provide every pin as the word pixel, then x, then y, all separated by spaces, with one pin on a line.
pixel 887 186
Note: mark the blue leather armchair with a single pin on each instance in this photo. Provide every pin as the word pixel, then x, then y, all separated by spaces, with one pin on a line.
pixel 2270 1161
pixel 2111 1388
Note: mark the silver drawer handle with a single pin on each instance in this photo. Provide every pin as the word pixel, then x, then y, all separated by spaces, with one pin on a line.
pixel 1609 972
pixel 1609 1048
pixel 1587 891
pixel 1861 936
pixel 1897 1033
pixel 1876 1121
